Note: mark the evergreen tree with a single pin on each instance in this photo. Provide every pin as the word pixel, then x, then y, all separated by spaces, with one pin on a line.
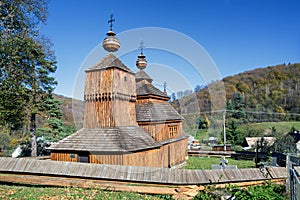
pixel 173 97
pixel 233 133
pixel 53 125
pixel 238 105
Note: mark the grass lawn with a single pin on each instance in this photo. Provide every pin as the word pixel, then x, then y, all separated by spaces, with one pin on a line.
pixel 57 193
pixel 281 127
pixel 206 162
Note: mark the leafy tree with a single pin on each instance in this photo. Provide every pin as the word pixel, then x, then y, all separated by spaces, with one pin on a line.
pixel 26 63
pixel 203 122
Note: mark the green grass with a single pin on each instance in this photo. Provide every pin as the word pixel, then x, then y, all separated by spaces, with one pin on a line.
pixel 281 127
pixel 206 162
pixel 39 192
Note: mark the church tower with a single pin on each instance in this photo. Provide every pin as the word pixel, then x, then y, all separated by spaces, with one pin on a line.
pixel 110 90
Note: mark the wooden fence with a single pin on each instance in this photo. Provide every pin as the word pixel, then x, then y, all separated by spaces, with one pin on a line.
pixel 183 183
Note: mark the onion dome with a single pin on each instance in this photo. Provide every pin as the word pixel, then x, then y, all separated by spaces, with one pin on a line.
pixel 111 43
pixel 141 62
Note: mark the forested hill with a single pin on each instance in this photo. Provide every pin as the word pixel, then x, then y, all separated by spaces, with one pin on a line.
pixel 69 108
pixel 274 89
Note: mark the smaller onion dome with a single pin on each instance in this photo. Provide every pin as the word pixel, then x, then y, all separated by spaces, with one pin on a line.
pixel 141 62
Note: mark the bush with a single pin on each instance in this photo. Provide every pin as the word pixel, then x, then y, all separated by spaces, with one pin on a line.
pixel 267 191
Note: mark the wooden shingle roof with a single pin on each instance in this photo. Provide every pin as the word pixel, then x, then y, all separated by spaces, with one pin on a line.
pixel 120 139
pixel 142 75
pixel 109 61
pixel 144 89
pixel 153 111
pixel 251 141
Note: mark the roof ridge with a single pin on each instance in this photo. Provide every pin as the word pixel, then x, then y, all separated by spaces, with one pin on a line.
pixel 142 75
pixel 110 61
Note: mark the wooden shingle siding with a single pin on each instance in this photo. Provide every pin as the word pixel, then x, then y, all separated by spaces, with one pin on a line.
pixel 109 99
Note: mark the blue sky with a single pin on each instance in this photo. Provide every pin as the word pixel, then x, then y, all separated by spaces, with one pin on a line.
pixel 238 35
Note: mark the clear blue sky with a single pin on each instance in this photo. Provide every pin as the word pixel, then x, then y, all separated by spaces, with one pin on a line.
pixel 239 35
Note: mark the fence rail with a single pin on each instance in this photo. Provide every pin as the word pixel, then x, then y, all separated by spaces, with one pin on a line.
pixel 294 185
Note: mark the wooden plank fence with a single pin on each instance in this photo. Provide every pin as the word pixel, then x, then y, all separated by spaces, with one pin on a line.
pixel 175 181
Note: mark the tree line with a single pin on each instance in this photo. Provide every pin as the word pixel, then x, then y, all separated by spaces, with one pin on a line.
pixel 26 75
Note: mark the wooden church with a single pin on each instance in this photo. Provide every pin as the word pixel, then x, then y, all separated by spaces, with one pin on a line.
pixel 127 120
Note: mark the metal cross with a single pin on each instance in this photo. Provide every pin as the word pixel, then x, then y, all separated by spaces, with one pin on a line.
pixel 111 20
pixel 165 86
pixel 142 46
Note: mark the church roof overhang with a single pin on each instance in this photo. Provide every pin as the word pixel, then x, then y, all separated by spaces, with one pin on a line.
pixel 119 139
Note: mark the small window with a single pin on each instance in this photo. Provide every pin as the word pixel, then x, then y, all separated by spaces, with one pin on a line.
pixel 125 79
pixel 173 130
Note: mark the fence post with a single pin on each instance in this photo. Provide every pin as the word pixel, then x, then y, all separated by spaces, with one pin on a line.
pixel 288 174
pixel 292 195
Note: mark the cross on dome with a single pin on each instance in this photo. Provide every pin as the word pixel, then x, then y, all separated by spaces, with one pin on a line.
pixel 111 43
pixel 110 21
pixel 142 46
pixel 141 62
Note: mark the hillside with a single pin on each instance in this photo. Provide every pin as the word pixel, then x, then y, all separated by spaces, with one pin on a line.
pixel 274 89
pixel 71 108
pixel 258 93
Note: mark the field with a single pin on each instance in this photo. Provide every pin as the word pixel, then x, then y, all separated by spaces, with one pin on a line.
pixel 28 192
pixel 280 127
pixel 257 129
pixel 205 163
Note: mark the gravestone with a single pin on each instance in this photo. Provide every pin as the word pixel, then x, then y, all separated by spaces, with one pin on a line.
pixel 223 164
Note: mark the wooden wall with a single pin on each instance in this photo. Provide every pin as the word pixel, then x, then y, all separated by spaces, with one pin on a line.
pixel 160 132
pixel 165 156
pixel 63 156
pixel 110 97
